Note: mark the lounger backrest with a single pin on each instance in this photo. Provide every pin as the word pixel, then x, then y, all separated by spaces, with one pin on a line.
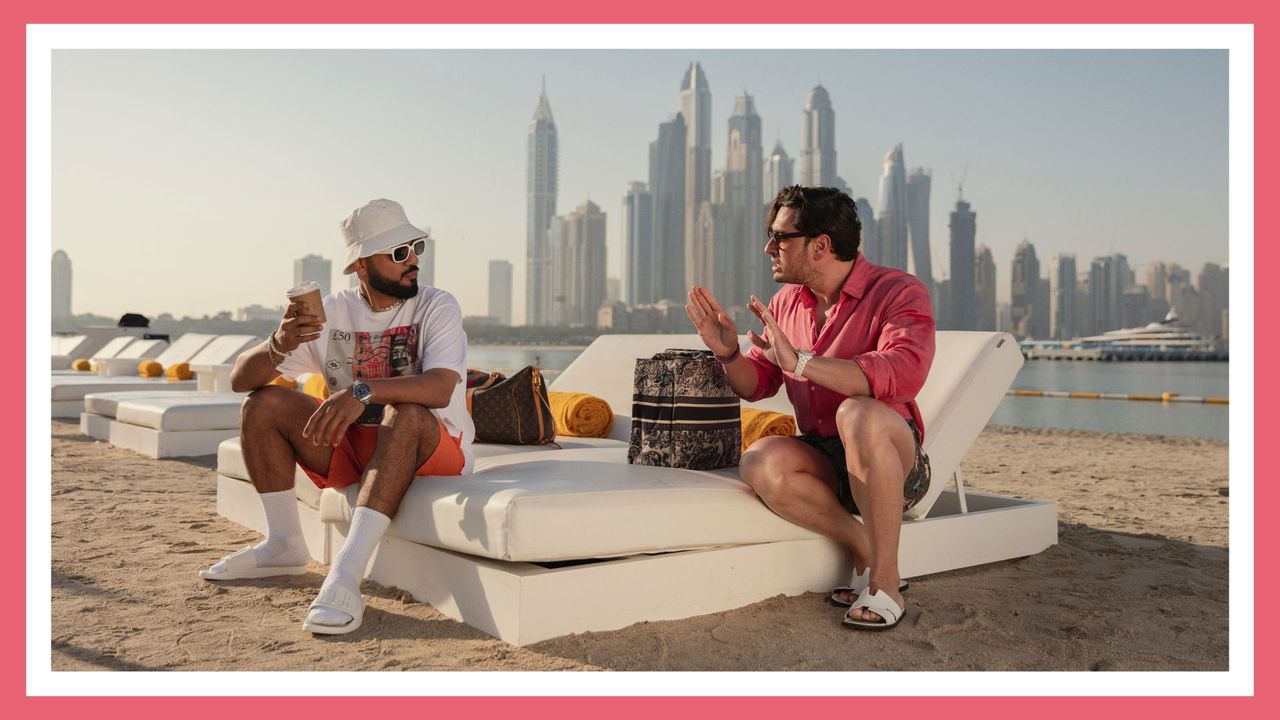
pixel 114 346
pixel 223 349
pixel 970 375
pixel 607 367
pixel 142 350
pixel 184 348
pixel 66 344
pixel 971 372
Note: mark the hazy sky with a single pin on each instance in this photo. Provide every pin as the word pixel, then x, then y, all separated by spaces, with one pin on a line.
pixel 188 181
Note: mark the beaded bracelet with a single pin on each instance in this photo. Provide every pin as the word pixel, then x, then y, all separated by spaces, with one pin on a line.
pixel 272 349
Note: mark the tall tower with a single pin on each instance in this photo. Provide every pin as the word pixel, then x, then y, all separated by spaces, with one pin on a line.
pixel 666 182
pixel 313 268
pixel 984 282
pixel 542 181
pixel 585 281
pixel 695 106
pixel 739 252
pixel 637 243
pixel 1062 297
pixel 427 263
pixel 919 181
pixel 964 231
pixel 779 172
pixel 1102 285
pixel 892 215
pixel 500 291
pixel 61 286
pixel 1024 291
pixel 818 141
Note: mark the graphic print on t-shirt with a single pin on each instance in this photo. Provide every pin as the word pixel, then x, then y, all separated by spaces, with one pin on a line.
pixel 368 356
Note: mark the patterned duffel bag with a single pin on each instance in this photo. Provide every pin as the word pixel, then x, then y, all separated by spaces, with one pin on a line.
pixel 683 413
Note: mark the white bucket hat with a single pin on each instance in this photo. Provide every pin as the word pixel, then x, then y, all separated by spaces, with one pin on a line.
pixel 376 226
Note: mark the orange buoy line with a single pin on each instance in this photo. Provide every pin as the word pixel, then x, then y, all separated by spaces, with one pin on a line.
pixel 1162 397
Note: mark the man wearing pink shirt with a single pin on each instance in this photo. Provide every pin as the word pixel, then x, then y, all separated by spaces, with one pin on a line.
pixel 852 342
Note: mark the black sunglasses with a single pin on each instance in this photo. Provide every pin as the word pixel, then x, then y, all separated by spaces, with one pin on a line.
pixel 400 253
pixel 777 238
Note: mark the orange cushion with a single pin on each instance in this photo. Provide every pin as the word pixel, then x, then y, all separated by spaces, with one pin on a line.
pixel 178 371
pixel 150 369
pixel 316 387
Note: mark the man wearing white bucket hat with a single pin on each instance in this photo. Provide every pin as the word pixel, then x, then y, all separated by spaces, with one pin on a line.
pixel 393 356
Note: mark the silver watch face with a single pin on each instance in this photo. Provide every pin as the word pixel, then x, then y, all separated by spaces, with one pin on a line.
pixel 361 392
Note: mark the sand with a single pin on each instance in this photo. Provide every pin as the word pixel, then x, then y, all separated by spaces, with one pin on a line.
pixel 1138 581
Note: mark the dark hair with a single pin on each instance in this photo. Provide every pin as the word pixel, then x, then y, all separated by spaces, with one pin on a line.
pixel 822 210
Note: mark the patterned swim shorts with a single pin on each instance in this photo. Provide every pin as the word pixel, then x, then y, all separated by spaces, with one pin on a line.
pixel 913 488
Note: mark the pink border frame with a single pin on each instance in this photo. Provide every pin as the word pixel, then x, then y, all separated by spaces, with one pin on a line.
pixel 16 14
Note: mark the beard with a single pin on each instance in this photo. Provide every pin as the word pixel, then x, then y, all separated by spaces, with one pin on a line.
pixel 797 272
pixel 391 286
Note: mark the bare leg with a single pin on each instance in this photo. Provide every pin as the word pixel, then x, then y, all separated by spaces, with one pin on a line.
pixel 879 450
pixel 271 423
pixel 407 437
pixel 797 483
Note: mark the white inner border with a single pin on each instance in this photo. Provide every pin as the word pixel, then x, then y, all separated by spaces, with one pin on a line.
pixel 1238 39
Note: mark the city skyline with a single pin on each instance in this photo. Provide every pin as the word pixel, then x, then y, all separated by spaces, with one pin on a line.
pixel 1127 185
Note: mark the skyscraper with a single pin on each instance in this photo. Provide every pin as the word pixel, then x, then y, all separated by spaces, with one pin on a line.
pixel 542 181
pixel 964 231
pixel 1213 285
pixel 984 281
pixel 500 291
pixel 1103 300
pixel 919 181
pixel 818 141
pixel 61 308
pixel 740 260
pixel 313 268
pixel 695 106
pixel 583 276
pixel 1062 297
pixel 666 182
pixel 891 216
pixel 1024 290
pixel 779 172
pixel 637 243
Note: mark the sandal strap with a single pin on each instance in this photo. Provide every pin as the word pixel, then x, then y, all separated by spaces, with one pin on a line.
pixel 879 603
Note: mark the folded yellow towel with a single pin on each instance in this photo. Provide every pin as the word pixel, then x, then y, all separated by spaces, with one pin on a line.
pixel 315 387
pixel 178 371
pixel 580 414
pixel 763 423
pixel 284 383
pixel 150 369
pixel 80 365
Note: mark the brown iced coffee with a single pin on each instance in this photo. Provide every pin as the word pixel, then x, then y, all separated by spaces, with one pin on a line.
pixel 308 296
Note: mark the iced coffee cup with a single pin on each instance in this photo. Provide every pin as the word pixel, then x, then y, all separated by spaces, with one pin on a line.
pixel 308 296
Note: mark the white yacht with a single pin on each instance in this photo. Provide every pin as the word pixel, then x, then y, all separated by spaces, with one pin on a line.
pixel 1164 335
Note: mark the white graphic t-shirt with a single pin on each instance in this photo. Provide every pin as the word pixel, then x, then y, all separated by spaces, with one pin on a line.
pixel 359 344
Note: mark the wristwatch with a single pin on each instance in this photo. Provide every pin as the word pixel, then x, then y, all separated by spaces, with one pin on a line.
pixel 802 358
pixel 360 391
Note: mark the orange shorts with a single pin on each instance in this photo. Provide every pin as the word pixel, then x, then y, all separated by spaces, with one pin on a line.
pixel 356 448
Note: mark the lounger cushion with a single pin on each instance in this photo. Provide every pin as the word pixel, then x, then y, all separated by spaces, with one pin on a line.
pixel 577 504
pixel 75 387
pixel 182 411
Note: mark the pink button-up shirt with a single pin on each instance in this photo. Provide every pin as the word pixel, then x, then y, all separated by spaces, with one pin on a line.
pixel 882 321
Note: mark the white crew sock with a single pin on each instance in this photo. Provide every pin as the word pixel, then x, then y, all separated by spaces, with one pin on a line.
pixel 367 529
pixel 284 544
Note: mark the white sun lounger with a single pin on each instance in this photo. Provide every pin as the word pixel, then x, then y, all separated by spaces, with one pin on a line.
pixel 85 344
pixel 69 391
pixel 542 542
pixel 110 349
